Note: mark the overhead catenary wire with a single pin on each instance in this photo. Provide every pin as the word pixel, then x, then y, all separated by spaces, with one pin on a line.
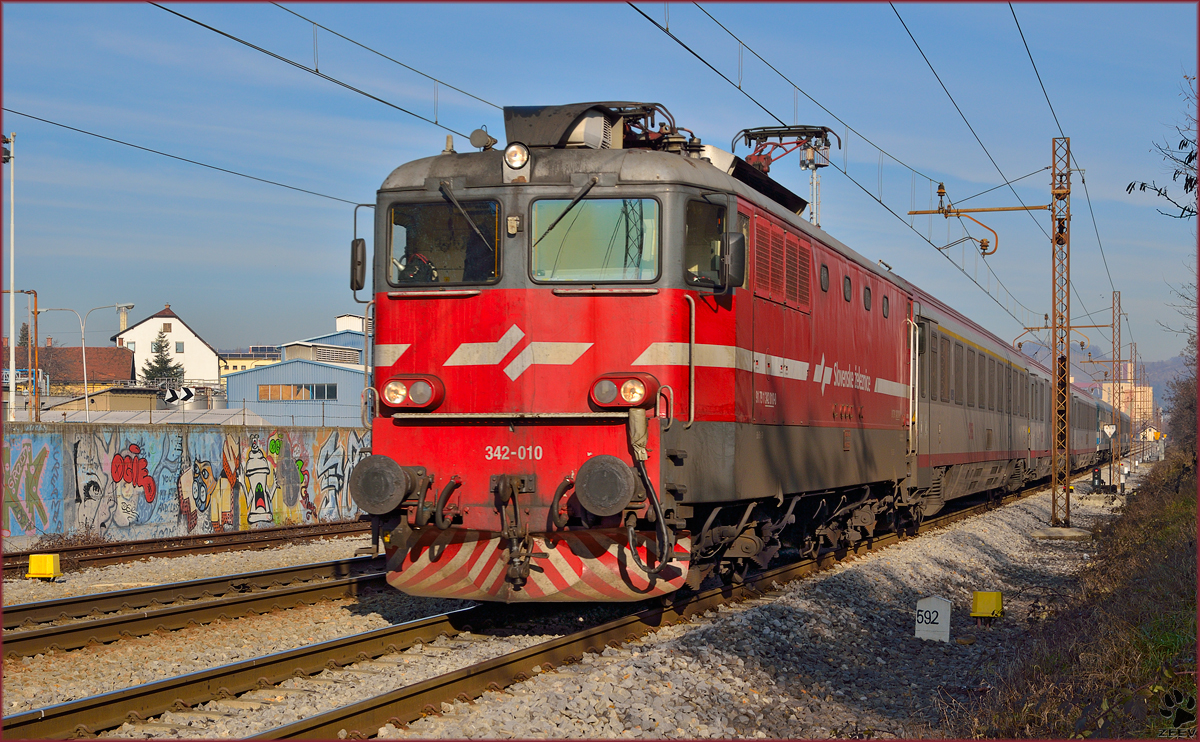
pixel 443 83
pixel 181 159
pixel 976 135
pixel 1083 180
pixel 309 70
pixel 841 170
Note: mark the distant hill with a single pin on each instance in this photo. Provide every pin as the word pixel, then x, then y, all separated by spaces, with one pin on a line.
pixel 1159 373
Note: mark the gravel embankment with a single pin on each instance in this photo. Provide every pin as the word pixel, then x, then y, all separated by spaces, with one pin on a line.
pixel 161 570
pixel 829 656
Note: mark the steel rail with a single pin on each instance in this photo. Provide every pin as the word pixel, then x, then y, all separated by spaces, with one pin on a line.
pixel 90 716
pixel 98 555
pixel 404 705
pixel 80 634
pixel 81 606
pixel 95 714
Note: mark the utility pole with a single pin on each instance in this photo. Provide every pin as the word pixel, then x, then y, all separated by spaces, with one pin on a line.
pixel 1114 384
pixel 10 140
pixel 1060 329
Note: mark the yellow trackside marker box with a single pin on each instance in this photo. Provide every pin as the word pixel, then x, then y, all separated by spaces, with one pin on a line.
pixel 987 605
pixel 43 567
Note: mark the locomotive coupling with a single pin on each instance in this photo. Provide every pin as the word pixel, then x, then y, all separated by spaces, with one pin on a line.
pixel 379 485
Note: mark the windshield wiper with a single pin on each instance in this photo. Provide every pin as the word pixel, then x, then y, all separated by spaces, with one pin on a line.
pixel 595 179
pixel 445 188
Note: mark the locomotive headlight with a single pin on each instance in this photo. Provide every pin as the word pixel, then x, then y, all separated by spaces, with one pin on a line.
pixel 420 392
pixel 395 392
pixel 605 391
pixel 633 391
pixel 516 155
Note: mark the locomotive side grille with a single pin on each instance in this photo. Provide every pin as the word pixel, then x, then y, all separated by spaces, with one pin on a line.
pixel 762 257
pixel 793 269
pixel 778 277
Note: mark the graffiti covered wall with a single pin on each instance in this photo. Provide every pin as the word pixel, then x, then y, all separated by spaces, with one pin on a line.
pixel 151 481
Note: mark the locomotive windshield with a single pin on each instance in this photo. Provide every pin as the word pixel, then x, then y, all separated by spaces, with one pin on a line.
pixel 435 244
pixel 602 239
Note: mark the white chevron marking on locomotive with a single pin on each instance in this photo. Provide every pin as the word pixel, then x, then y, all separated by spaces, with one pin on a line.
pixel 548 354
pixel 712 356
pixel 485 354
pixel 822 374
pixel 388 353
pixel 891 388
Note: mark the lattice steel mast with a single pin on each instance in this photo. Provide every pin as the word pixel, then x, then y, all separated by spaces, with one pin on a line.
pixel 1060 328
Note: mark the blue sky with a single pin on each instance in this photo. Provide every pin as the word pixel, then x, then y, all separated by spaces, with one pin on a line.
pixel 248 263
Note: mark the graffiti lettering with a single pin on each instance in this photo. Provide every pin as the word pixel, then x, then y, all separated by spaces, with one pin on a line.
pixel 134 471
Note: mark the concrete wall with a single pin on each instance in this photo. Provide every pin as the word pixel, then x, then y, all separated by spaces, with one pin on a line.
pixel 151 481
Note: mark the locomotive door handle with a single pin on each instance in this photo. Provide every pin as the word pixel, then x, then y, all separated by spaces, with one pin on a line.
pixel 691 361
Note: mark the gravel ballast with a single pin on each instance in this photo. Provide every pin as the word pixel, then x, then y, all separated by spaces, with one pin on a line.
pixel 833 655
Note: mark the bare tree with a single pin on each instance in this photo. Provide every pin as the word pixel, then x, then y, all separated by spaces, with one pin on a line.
pixel 1181 159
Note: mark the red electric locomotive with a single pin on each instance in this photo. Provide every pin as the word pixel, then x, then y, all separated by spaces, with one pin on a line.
pixel 608 360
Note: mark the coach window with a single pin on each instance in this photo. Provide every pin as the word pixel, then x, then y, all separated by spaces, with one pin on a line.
pixel 704 225
pixel 1008 374
pixel 957 394
pixel 945 369
pixel 970 377
pixel 599 240
pixel 991 383
pixel 884 306
pixel 847 289
pixel 981 394
pixel 867 298
pixel 922 344
pixel 824 277
pixel 933 366
pixel 436 244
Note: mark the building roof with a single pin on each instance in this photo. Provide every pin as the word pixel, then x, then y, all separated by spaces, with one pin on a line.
pixel 64 365
pixel 166 312
pixel 342 338
pixel 276 368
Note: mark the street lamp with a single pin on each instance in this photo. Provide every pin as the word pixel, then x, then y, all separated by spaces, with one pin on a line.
pixel 87 403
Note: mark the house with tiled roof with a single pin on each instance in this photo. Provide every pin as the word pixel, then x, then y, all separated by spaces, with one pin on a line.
pixel 200 360
pixel 62 368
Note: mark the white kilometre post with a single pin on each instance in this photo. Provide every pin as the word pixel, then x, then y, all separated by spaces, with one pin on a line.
pixel 933 619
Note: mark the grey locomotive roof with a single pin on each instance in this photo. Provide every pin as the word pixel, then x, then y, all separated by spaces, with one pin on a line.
pixel 632 166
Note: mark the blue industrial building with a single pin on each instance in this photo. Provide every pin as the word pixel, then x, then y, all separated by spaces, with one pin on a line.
pixel 300 392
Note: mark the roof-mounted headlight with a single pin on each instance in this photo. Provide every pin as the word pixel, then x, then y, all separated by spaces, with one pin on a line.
pixel 516 155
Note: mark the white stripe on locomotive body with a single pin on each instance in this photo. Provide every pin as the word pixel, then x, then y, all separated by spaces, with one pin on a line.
pixel 549 354
pixel 387 354
pixel 730 356
pixel 485 354
pixel 709 356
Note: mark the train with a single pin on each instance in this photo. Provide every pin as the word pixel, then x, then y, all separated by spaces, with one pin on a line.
pixel 608 361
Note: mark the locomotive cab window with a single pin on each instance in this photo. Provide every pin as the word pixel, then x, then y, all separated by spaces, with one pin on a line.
pixel 824 277
pixel 702 243
pixel 435 244
pixel 847 289
pixel 884 306
pixel 599 239
pixel 867 298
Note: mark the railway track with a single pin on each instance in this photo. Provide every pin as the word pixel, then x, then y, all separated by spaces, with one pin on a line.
pixel 16 563
pixel 203 601
pixel 408 703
